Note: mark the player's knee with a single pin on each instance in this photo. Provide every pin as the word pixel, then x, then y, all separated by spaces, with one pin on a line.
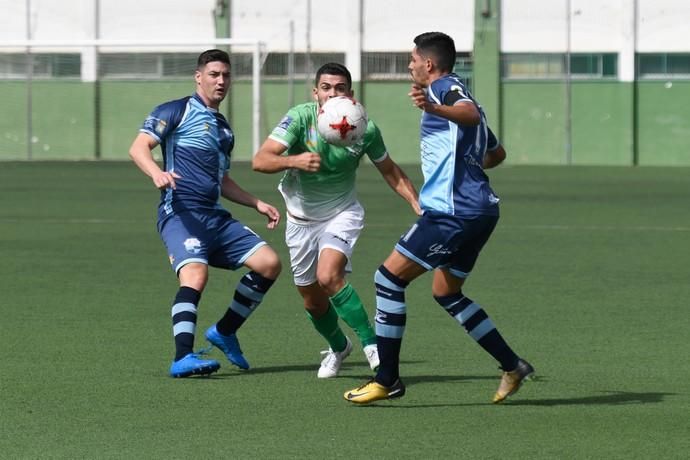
pixel 194 275
pixel 273 266
pixel 266 263
pixel 330 281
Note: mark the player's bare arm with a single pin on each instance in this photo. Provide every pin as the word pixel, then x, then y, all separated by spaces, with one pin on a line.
pixel 233 192
pixel 494 157
pixel 462 113
pixel 270 159
pixel 141 154
pixel 396 178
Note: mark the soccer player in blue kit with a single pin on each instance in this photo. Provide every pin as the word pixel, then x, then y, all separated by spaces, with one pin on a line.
pixel 196 141
pixel 460 211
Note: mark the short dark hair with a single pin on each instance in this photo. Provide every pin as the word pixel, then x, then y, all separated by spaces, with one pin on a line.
pixel 333 68
pixel 214 55
pixel 440 46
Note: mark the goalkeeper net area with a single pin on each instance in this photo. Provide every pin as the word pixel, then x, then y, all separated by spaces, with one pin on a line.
pixel 87 99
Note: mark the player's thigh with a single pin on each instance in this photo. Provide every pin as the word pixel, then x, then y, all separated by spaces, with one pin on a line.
pixel 193 275
pixel 445 283
pixel 186 238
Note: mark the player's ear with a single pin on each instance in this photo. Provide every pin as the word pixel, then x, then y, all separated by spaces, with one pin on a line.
pixel 315 94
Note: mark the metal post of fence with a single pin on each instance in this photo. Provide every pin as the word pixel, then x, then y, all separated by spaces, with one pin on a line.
pixel 307 54
pixel 635 91
pixel 97 87
pixel 568 90
pixel 29 92
pixel 291 66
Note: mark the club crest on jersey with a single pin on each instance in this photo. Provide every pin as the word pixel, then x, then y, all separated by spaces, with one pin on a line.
pixel 192 245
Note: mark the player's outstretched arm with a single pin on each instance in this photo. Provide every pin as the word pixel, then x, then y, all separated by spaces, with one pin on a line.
pixel 398 181
pixel 233 192
pixel 270 159
pixel 462 112
pixel 141 154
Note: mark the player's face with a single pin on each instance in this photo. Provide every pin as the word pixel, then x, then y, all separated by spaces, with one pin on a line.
pixel 419 67
pixel 331 86
pixel 213 83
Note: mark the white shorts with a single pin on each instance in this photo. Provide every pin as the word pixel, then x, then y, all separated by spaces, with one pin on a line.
pixel 306 240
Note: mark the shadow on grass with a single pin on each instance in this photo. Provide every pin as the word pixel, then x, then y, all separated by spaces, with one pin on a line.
pixel 611 398
pixel 229 371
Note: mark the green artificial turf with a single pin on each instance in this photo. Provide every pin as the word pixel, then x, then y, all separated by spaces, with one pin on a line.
pixel 587 277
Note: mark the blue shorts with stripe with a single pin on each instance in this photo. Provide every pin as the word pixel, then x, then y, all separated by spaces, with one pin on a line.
pixel 439 240
pixel 212 237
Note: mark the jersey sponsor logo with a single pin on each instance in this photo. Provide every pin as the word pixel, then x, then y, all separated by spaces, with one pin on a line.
pixel 160 126
pixel 312 137
pixel 472 161
pixel 436 249
pixel 192 245
pixel 355 150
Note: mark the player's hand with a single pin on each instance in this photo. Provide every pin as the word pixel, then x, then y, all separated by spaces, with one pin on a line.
pixel 165 179
pixel 418 97
pixel 269 211
pixel 308 161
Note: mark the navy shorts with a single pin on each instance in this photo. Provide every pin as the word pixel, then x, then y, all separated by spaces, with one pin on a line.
pixel 439 240
pixel 210 237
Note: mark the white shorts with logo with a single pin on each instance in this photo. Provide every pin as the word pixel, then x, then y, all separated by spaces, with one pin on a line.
pixel 306 240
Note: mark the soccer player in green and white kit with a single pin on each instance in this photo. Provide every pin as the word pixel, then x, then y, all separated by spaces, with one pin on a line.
pixel 324 218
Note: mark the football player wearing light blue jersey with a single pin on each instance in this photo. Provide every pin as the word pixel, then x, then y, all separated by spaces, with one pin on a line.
pixel 196 141
pixel 460 211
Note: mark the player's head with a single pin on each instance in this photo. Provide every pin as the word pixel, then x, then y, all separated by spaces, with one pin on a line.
pixel 212 76
pixel 432 56
pixel 332 79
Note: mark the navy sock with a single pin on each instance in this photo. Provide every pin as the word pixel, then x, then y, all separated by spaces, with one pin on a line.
pixel 480 327
pixel 249 293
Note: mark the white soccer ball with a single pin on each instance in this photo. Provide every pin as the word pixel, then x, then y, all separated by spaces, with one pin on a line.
pixel 342 121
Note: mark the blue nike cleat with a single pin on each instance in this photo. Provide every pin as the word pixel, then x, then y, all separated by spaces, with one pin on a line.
pixel 229 345
pixel 191 364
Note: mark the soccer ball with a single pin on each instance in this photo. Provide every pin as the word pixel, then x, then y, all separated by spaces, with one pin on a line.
pixel 342 121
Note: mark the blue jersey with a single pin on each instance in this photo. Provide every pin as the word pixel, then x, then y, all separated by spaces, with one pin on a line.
pixel 196 142
pixel 452 156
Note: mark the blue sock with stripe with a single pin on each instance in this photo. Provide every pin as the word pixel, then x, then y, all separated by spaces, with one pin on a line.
pixel 248 295
pixel 391 315
pixel 480 327
pixel 184 320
